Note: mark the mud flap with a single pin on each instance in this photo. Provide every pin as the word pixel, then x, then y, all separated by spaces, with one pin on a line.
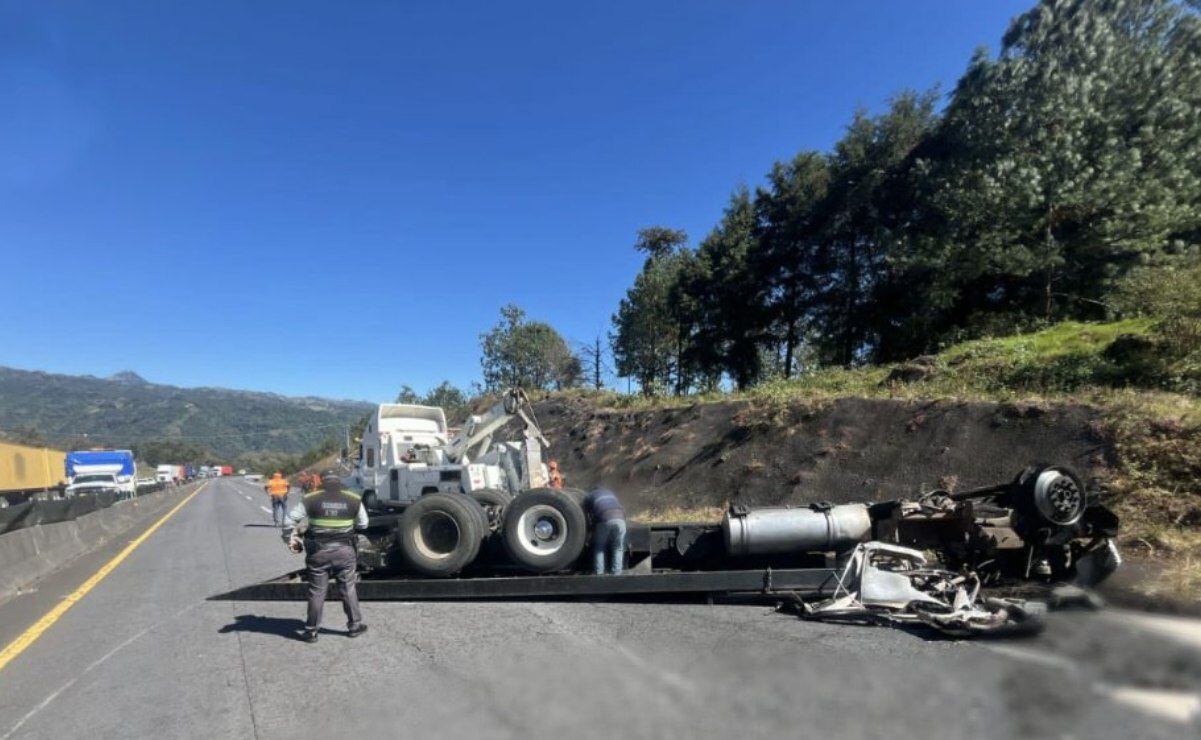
pixel 1097 564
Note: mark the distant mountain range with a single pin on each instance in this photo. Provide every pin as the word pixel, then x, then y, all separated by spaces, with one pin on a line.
pixel 125 410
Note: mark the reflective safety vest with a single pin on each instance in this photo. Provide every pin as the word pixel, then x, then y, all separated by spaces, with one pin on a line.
pixel 332 515
pixel 277 487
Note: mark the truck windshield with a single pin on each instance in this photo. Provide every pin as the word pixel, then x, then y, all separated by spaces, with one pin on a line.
pixel 93 479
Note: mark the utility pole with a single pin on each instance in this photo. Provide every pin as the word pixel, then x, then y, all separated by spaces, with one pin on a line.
pixel 596 364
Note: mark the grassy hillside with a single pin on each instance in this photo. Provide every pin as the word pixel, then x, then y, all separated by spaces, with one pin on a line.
pixel 126 410
pixel 1071 360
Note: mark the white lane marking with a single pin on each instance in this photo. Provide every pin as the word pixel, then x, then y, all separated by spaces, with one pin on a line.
pixel 95 664
pixel 1179 629
pixel 264 508
pixel 1175 706
pixel 1029 656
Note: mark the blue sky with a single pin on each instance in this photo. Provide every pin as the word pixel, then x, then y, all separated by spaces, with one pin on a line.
pixel 337 198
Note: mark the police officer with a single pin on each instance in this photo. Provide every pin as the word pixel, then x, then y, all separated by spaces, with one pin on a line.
pixel 333 515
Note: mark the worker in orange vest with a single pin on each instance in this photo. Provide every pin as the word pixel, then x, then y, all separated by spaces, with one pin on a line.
pixel 277 489
pixel 556 478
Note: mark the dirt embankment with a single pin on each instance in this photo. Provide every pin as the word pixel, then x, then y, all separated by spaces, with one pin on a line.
pixel 850 449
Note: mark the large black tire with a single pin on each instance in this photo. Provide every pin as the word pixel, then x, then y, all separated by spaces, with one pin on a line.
pixel 439 534
pixel 492 503
pixel 1052 495
pixel 545 530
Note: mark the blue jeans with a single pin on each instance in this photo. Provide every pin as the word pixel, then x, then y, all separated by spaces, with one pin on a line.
pixel 279 509
pixel 609 538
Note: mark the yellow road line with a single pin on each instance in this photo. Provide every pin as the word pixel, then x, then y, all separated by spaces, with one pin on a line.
pixel 30 636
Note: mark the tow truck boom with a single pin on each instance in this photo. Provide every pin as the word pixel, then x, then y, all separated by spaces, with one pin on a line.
pixel 478 430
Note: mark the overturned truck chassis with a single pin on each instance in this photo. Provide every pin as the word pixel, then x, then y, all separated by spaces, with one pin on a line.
pixel 928 559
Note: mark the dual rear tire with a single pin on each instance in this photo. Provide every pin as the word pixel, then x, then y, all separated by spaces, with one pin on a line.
pixel 440 534
pixel 540 530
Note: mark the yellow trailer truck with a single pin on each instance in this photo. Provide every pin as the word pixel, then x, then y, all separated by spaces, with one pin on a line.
pixel 26 471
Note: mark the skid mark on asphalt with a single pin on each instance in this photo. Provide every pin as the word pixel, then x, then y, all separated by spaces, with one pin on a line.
pixel 671 678
pixel 1181 707
pixel 549 613
pixel 1046 660
pixel 93 666
pixel 471 685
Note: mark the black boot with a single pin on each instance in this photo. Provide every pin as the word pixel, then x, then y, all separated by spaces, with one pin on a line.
pixel 357 630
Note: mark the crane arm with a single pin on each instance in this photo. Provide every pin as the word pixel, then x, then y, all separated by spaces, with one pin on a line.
pixel 479 428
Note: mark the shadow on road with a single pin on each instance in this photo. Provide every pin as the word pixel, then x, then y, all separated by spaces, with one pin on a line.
pixel 281 627
pixel 268 526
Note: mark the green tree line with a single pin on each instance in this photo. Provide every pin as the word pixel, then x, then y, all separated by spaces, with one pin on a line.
pixel 516 352
pixel 1053 171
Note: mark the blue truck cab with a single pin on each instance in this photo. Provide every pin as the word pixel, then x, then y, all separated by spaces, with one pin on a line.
pixel 119 463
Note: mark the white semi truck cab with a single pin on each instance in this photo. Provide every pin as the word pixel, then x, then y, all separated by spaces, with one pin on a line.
pixel 408 451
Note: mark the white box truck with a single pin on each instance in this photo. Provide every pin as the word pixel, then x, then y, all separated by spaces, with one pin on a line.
pixel 118 463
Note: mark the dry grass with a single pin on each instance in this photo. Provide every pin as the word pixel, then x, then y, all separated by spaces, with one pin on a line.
pixel 1156 486
pixel 1180 578
pixel 1176 553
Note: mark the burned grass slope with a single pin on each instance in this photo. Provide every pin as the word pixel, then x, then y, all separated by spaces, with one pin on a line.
pixel 850 449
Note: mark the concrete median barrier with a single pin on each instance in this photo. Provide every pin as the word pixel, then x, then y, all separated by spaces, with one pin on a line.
pixel 29 554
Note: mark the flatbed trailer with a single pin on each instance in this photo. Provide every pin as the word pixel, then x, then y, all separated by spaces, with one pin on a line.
pixel 673 559
pixel 766 583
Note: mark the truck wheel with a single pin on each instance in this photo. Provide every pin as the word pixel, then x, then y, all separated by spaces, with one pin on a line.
pixel 1054 494
pixel 544 530
pixel 439 534
pixel 492 502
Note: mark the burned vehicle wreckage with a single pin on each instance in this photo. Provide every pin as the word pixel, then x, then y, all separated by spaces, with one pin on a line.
pixel 939 558
pixel 1042 527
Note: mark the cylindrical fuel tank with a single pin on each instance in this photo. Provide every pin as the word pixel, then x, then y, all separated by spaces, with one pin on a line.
pixel 770 531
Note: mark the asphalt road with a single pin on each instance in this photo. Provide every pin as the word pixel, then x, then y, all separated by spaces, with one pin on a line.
pixel 145 654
